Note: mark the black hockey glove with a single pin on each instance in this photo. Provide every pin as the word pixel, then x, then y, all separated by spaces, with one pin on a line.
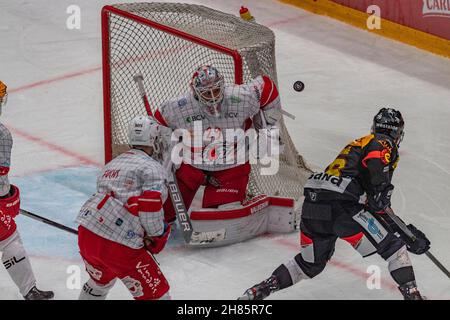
pixel 380 200
pixel 420 245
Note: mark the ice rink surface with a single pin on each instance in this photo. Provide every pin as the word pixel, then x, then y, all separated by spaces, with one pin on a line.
pixel 55 115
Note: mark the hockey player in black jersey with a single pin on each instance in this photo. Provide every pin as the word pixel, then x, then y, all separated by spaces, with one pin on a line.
pixel 332 209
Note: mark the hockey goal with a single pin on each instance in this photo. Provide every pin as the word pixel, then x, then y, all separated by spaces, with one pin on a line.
pixel 166 42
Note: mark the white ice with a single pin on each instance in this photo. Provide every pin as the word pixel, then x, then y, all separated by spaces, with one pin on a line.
pixel 349 74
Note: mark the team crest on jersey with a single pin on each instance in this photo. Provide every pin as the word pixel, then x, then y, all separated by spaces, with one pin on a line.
pixel 385 156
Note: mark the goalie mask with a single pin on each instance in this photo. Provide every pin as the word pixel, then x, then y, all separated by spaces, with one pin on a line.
pixel 389 122
pixel 208 86
pixel 144 131
pixel 3 95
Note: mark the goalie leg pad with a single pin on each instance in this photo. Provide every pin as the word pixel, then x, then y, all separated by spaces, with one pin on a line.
pixel 260 215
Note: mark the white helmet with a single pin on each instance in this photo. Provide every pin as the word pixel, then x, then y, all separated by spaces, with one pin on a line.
pixel 144 131
pixel 208 86
pixel 3 95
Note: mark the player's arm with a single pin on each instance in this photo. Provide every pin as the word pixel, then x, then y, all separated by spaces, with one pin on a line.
pixel 268 112
pixel 9 194
pixel 151 213
pixel 376 159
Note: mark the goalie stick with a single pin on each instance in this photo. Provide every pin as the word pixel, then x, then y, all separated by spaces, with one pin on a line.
pixel 48 221
pixel 408 233
pixel 190 236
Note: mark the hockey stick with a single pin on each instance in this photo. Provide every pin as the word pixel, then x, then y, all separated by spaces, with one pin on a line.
pixel 190 236
pixel 48 221
pixel 409 234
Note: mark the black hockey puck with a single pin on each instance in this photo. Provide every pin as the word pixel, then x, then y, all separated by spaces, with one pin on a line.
pixel 299 86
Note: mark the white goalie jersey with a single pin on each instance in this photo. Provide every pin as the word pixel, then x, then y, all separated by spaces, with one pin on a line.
pixel 213 147
pixel 131 190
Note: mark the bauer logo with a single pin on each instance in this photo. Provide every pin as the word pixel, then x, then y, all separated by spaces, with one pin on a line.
pixel 435 8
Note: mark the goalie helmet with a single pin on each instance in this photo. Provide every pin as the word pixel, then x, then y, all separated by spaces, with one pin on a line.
pixel 3 95
pixel 389 122
pixel 144 131
pixel 208 86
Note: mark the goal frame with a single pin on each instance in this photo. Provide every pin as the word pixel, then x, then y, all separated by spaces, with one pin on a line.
pixel 106 10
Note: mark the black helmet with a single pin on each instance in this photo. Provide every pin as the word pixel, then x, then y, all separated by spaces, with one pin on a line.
pixel 389 122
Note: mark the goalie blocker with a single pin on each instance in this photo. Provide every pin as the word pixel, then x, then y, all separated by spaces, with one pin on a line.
pixel 232 224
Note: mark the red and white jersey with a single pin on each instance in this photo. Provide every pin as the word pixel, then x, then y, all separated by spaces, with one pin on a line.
pixel 131 190
pixel 239 105
pixel 6 143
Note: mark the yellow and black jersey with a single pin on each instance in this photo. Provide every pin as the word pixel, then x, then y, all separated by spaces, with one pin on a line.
pixel 364 166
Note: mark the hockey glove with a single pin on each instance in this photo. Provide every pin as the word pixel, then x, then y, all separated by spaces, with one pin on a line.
pixel 156 244
pixel 10 203
pixel 381 200
pixel 418 246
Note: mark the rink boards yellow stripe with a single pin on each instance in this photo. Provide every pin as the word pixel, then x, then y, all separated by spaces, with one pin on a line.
pixel 388 29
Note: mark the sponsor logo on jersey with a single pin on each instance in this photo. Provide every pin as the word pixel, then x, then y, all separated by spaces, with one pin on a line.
pixel 257 92
pixel 328 182
pixel 111 174
pixel 182 102
pixel 156 188
pixel 196 117
pixel 323 176
pixel 235 99
pixel 130 234
pixel 85 212
pixel 231 115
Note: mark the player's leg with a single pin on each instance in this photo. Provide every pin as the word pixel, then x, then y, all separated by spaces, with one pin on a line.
pixel 375 235
pixel 16 261
pixel 102 279
pixel 142 276
pixel 317 247
pixel 229 186
pixel 189 180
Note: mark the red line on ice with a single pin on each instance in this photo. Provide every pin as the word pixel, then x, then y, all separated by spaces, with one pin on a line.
pixel 56 79
pixel 51 146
